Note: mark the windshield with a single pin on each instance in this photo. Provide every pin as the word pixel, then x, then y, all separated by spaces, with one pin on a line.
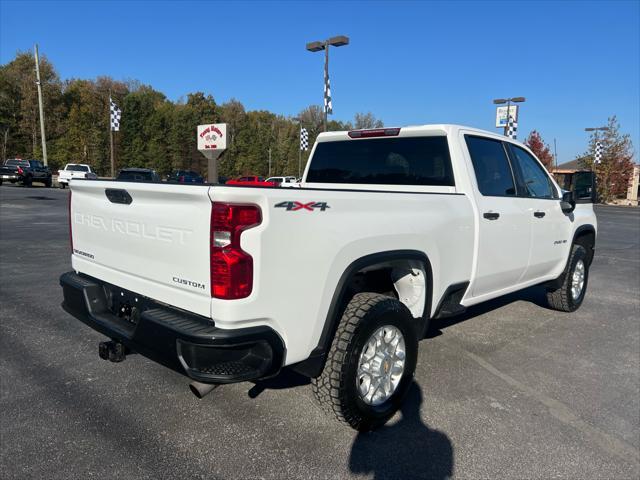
pixel 77 168
pixel 13 162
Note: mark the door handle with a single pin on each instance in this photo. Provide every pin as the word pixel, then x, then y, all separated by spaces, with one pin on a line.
pixel 539 214
pixel 491 215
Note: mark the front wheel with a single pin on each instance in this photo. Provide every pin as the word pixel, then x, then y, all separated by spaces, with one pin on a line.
pixel 371 362
pixel 569 296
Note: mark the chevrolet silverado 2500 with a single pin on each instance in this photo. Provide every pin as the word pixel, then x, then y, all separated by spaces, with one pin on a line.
pixel 390 228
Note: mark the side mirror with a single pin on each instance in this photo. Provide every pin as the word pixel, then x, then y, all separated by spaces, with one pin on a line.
pixel 568 202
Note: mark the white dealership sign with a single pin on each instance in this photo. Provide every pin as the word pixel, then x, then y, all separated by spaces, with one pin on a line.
pixel 212 141
pixel 501 115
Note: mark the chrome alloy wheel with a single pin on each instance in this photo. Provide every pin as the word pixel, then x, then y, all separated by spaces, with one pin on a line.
pixel 577 280
pixel 381 365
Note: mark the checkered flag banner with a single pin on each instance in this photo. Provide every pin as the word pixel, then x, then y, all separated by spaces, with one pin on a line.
pixel 304 139
pixel 512 128
pixel 328 106
pixel 116 113
pixel 598 155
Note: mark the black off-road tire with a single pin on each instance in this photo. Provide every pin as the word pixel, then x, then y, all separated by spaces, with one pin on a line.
pixel 561 298
pixel 336 388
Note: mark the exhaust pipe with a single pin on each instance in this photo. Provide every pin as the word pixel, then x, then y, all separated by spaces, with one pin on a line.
pixel 201 390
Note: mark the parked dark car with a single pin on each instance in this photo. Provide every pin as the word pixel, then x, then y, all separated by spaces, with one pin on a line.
pixel 138 175
pixel 184 176
pixel 16 170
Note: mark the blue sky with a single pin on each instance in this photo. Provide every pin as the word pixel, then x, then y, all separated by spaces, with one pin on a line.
pixel 408 62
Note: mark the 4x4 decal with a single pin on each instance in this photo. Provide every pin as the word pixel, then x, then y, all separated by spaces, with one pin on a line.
pixel 295 206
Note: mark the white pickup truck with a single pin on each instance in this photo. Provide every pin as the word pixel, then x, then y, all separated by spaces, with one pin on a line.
pixel 75 170
pixel 390 228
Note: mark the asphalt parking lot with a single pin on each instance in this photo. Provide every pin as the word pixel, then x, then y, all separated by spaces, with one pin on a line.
pixel 508 390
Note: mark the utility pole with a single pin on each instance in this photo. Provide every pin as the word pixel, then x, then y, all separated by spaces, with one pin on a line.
pixel 269 162
pixel 39 84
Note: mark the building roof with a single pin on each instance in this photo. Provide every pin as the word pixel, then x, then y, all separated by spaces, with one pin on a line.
pixel 573 165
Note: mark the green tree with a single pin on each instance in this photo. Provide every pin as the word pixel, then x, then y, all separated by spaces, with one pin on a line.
pixel 366 120
pixel 616 165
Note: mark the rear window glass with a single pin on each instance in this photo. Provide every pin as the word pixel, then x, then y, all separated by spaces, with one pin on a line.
pixel 77 168
pixel 136 176
pixel 391 161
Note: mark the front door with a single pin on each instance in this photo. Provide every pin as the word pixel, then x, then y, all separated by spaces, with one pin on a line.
pixel 550 226
pixel 504 227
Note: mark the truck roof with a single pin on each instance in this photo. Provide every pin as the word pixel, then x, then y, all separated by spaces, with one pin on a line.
pixel 417 130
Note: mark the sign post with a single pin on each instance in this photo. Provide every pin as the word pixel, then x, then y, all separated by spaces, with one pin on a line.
pixel 212 142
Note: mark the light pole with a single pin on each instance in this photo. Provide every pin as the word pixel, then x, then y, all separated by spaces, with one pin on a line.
pixel 508 101
pixel 317 46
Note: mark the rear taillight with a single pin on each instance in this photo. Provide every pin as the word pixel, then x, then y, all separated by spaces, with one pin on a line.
pixel 70 227
pixel 377 132
pixel 231 267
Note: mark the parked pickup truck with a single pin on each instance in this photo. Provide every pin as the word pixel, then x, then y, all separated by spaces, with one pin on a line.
pixel 16 170
pixel 74 170
pixel 390 228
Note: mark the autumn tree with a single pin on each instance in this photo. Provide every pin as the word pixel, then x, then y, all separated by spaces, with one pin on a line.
pixel 616 166
pixel 540 149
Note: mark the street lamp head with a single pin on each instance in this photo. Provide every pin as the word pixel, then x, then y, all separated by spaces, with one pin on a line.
pixel 518 99
pixel 338 41
pixel 589 129
pixel 315 46
pixel 499 101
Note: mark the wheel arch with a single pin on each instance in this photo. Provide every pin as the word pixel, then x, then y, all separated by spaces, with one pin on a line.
pixel 584 235
pixel 313 365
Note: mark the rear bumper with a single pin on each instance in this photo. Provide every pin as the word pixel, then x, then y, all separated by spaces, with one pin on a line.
pixel 185 342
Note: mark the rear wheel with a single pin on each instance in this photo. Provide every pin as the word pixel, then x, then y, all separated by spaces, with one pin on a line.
pixel 371 362
pixel 62 185
pixel 569 296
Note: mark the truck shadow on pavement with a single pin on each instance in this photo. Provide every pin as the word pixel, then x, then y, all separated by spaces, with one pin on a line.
pixel 406 449
pixel 535 295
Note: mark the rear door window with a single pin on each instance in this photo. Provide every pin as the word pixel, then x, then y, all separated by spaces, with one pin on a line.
pixel 386 161
pixel 491 165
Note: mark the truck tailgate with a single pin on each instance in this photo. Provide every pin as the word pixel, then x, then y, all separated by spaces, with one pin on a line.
pixel 149 238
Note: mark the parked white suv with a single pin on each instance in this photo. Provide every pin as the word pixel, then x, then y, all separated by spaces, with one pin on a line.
pixel 391 228
pixel 74 170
